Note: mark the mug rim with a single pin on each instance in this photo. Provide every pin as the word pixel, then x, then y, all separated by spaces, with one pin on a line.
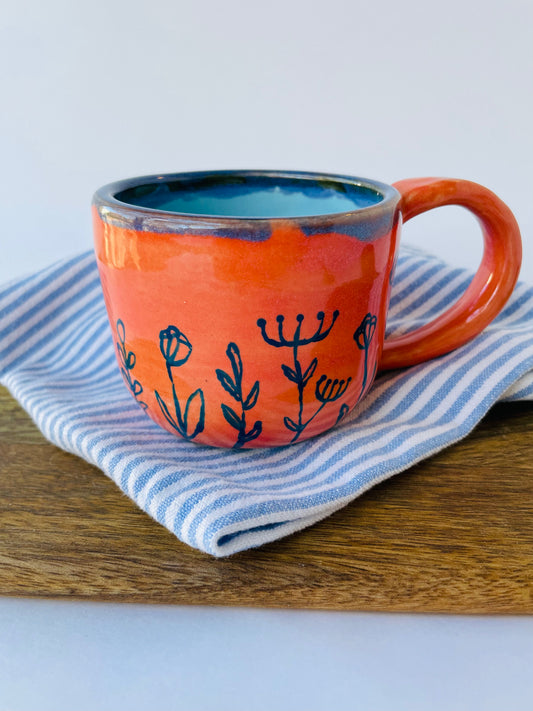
pixel 111 209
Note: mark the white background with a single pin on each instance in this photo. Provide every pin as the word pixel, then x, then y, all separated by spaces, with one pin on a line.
pixel 97 91
pixel 102 90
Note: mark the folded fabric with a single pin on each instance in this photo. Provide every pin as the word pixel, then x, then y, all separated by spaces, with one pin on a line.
pixel 57 359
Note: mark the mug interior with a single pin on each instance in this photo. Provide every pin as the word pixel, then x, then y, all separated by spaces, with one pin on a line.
pixel 250 195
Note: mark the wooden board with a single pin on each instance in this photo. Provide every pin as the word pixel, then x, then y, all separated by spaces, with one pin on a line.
pixel 453 534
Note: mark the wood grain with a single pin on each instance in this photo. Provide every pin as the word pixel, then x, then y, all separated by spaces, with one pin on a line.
pixel 453 534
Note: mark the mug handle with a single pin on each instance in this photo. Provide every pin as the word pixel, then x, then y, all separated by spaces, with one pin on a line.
pixel 491 286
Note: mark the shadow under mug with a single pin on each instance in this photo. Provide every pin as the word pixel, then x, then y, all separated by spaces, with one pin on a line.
pixel 248 308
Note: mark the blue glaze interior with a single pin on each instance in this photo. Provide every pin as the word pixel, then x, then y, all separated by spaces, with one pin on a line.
pixel 251 196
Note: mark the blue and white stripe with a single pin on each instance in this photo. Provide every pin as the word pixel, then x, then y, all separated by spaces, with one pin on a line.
pixel 57 359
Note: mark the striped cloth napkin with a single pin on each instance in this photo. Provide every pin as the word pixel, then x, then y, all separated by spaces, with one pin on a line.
pixel 57 360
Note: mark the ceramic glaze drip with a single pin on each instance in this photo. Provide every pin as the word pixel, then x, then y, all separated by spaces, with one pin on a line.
pixel 252 197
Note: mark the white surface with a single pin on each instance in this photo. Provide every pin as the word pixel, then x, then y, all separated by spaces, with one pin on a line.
pixel 94 92
pixel 63 656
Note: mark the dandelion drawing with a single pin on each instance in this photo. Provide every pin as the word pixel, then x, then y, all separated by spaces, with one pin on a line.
pixel 127 364
pixel 233 386
pixel 363 338
pixel 176 349
pixel 326 389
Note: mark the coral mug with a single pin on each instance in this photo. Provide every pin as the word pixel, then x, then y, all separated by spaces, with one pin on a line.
pixel 248 308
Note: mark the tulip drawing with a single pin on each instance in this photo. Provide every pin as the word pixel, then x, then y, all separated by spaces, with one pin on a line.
pixel 176 349
pixel 363 338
